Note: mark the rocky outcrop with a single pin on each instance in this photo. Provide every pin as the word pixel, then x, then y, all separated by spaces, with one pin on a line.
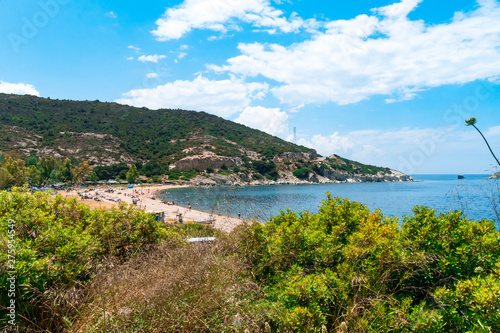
pixel 282 170
pixel 391 176
pixel 496 175
pixel 216 180
pixel 203 162
pixel 295 157
pixel 313 178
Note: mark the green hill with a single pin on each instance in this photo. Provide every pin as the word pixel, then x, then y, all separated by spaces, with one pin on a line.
pixel 173 144
pixel 109 132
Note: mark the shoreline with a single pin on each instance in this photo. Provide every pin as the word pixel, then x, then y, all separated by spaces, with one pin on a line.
pixel 147 200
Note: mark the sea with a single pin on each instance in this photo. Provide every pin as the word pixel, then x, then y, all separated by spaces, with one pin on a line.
pixel 477 196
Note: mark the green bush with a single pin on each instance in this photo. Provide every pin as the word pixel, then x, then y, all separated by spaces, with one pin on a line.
pixel 353 270
pixel 59 243
pixel 301 173
pixel 345 269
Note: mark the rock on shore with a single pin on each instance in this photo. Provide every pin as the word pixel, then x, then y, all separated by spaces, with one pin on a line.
pixel 327 178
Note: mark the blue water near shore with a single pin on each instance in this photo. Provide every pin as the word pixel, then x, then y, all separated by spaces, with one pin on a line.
pixel 441 192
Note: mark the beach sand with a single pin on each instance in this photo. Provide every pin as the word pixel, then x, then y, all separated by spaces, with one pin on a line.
pixel 149 202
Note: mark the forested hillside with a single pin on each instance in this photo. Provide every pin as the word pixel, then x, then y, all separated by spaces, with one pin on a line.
pixel 161 144
pixel 104 130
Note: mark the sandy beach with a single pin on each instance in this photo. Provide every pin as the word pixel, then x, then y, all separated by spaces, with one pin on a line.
pixel 147 200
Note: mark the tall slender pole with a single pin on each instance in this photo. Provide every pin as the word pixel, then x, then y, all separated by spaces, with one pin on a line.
pixel 491 151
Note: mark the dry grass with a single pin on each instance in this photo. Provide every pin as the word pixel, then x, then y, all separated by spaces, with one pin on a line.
pixel 174 288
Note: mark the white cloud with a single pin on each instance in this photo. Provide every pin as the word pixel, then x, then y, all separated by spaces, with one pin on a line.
pixel 380 54
pixel 270 120
pixel 398 10
pixel 18 89
pixel 112 14
pixel 412 150
pixel 493 131
pixel 151 58
pixel 223 98
pixel 386 148
pixel 220 15
pixel 130 58
pixel 327 145
pixel 151 75
pixel 132 47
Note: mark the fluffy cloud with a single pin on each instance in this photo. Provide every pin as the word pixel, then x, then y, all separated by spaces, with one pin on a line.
pixel 151 75
pixel 218 15
pixel 135 48
pixel 151 58
pixel 18 89
pixel 270 120
pixel 223 98
pixel 411 150
pixel 380 54
pixel 398 149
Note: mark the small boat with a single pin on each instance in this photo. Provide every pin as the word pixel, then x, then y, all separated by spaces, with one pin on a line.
pixel 460 177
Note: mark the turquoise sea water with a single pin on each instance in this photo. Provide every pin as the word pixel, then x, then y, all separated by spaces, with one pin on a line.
pixel 444 193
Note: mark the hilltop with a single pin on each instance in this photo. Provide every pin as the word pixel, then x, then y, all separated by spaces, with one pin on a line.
pixel 171 143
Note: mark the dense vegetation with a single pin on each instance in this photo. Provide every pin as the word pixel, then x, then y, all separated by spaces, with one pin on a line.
pixel 142 133
pixel 344 164
pixel 113 137
pixel 344 269
pixel 351 270
pixel 58 245
pixel 34 171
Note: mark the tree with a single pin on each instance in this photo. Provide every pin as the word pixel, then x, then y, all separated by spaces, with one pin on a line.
pixel 15 168
pixel 66 171
pixel 32 160
pixel 5 178
pixel 48 167
pixel 132 174
pixel 33 175
pixel 81 171
pixel 93 177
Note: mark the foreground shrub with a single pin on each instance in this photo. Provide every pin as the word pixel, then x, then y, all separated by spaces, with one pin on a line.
pixel 58 246
pixel 351 270
pixel 344 269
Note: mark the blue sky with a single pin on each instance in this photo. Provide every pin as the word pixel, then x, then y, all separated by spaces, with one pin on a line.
pixel 388 83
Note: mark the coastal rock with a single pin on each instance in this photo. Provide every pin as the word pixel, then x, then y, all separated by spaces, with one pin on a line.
pixel 496 175
pixel 202 162
pixel 287 178
pixel 216 180
pixel 335 175
pixel 294 157
pixel 342 176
